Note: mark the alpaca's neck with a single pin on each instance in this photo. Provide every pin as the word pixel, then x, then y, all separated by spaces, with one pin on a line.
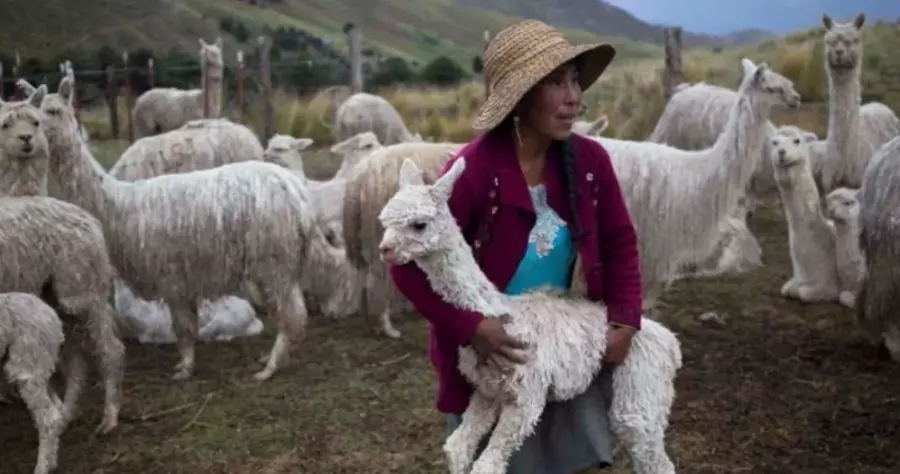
pixel 212 86
pixel 455 275
pixel 843 112
pixel 799 194
pixel 741 142
pixel 82 180
pixel 848 233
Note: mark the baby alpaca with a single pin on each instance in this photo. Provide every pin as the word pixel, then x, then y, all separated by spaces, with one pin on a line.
pixel 567 334
pixel 843 210
pixel 810 236
pixel 30 338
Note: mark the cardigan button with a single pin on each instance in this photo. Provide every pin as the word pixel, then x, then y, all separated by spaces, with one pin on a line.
pixel 590 176
pixel 594 202
pixel 496 181
pixel 477 244
pixel 494 210
pixel 492 194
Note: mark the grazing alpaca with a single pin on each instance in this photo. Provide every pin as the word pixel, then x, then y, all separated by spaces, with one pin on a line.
pixel 568 334
pixel 843 210
pixel 810 235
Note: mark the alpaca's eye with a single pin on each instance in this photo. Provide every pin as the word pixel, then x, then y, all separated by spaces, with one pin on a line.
pixel 36 123
pixel 419 226
pixel 5 125
pixel 796 141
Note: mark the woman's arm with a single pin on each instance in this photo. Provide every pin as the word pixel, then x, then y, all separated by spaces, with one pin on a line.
pixel 412 282
pixel 620 260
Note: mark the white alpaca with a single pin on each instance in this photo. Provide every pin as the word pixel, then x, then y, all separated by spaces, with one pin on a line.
pixel 588 129
pixel 678 199
pixel 363 112
pixel 354 150
pixel 161 109
pixel 568 335
pixel 24 151
pixel 30 339
pixel 854 132
pixel 810 235
pixel 843 210
pixel 244 227
pixel 879 211
pixel 366 194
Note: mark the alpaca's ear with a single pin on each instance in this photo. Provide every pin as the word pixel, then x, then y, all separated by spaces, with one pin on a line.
pixel 25 86
pixel 65 89
pixel 410 174
pixel 345 145
pixel 599 126
pixel 219 42
pixel 827 21
pixel 37 98
pixel 859 20
pixel 748 66
pixel 443 187
pixel 301 144
pixel 809 137
pixel 203 43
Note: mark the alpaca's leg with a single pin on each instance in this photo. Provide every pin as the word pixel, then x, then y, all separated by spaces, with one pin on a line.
pixel 48 419
pixel 377 302
pixel 110 353
pixel 477 421
pixel 891 337
pixel 848 299
pixel 814 294
pixel 516 423
pixel 387 325
pixel 184 322
pixel 291 315
pixel 75 373
pixel 789 289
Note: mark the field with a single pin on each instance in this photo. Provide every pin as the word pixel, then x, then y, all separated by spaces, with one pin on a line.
pixel 781 387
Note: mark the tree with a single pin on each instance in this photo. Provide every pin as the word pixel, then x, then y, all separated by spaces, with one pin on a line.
pixel 477 65
pixel 443 71
pixel 391 71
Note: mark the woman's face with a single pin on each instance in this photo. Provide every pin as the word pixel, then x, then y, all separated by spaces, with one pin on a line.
pixel 551 106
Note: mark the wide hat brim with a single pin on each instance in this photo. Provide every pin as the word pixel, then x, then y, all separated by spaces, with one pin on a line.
pixel 503 97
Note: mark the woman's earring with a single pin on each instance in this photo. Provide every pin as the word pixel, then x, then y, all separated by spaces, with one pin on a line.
pixel 516 126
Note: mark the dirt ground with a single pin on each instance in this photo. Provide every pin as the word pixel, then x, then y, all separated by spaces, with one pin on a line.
pixel 782 387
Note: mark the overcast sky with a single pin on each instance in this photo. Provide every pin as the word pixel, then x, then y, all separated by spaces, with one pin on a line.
pixel 778 16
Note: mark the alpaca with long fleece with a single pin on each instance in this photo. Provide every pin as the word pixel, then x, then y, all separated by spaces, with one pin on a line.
pixel 365 196
pixel 162 109
pixel 65 94
pixel 31 335
pixel 24 152
pixel 811 236
pixel 241 227
pixel 854 132
pixel 679 198
pixel 879 241
pixel 364 112
pixel 567 333
pixel 354 150
pixel 843 209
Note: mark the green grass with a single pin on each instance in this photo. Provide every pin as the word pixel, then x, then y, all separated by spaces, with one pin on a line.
pixel 782 387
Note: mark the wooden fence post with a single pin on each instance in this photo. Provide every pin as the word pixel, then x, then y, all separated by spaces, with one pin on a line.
pixel 128 96
pixel 16 74
pixel 151 73
pixel 674 73
pixel 484 75
pixel 1 80
pixel 240 86
pixel 354 47
pixel 265 88
pixel 112 96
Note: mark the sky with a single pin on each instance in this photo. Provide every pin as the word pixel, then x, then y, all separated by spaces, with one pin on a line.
pixel 778 16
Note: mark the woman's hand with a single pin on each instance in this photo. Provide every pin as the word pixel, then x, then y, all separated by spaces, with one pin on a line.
pixel 618 343
pixel 493 344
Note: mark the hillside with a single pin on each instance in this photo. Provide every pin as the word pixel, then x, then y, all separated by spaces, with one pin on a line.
pixel 415 29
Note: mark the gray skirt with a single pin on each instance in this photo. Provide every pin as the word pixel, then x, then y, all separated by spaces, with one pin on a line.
pixel 571 436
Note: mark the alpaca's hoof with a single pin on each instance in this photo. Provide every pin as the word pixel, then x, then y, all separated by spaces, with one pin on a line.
pixel 392 333
pixel 263 375
pixel 182 374
pixel 263 359
pixel 106 426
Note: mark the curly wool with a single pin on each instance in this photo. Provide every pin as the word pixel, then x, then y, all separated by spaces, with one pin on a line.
pixel 363 112
pixel 843 210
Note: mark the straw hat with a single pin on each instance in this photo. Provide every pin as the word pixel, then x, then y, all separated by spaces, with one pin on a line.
pixel 523 54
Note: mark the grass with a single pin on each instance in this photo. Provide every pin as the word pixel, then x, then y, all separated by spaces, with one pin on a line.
pixel 782 387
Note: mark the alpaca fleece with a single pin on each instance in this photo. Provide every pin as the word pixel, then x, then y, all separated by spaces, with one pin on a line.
pixel 363 112
pixel 24 151
pixel 843 210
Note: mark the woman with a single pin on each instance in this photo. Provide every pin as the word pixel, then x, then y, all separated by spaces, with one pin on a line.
pixel 533 199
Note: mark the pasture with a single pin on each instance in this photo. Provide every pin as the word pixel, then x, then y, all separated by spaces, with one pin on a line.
pixel 780 387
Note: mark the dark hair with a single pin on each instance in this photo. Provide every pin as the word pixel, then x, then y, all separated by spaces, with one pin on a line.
pixel 567 153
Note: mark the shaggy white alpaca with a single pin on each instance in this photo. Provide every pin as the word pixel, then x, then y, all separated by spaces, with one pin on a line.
pixel 594 128
pixel 368 192
pixel 65 94
pixel 879 235
pixel 810 235
pixel 354 150
pixel 244 227
pixel 30 338
pixel 363 112
pixel 843 210
pixel 161 109
pixel 678 199
pixel 568 335
pixel 24 152
pixel 854 132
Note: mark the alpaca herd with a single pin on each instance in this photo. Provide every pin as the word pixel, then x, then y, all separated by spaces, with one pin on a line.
pixel 200 230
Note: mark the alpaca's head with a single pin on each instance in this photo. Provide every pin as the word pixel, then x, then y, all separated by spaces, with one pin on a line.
pixel 769 86
pixel 358 146
pixel 842 205
pixel 286 151
pixel 211 54
pixel 22 134
pixel 789 146
pixel 594 128
pixel 61 125
pixel 417 220
pixel 843 43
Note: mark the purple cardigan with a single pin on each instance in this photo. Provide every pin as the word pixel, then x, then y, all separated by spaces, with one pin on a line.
pixel 492 206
